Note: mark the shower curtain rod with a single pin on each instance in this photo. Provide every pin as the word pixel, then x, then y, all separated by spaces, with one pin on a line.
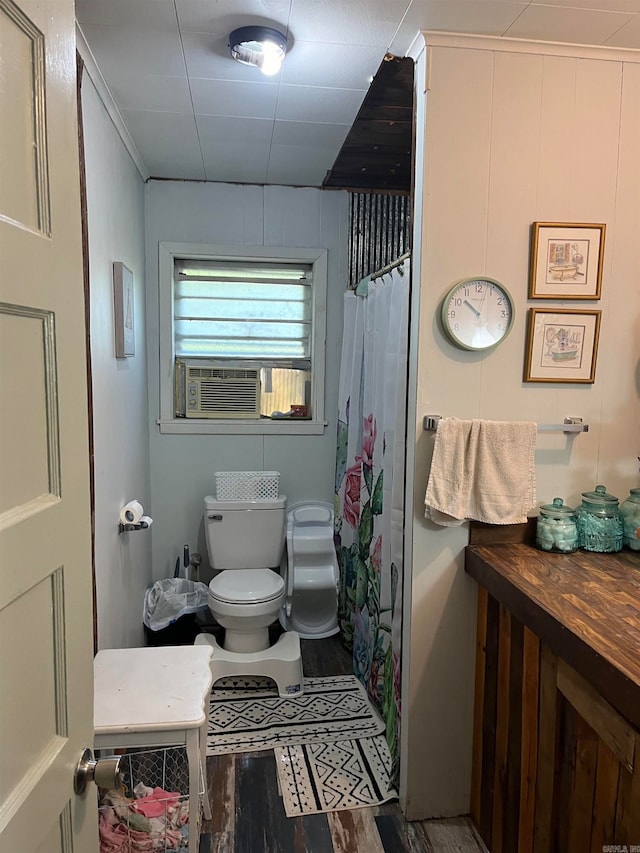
pixel 391 266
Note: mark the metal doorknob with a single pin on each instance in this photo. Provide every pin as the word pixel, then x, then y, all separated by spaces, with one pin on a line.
pixel 105 772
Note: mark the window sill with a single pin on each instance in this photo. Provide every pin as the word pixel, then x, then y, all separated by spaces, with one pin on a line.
pixel 196 426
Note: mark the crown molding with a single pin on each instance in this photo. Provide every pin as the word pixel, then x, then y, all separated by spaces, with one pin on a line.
pixel 512 45
pixel 92 69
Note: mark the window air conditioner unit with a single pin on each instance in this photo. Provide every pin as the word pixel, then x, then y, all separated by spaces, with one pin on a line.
pixel 221 391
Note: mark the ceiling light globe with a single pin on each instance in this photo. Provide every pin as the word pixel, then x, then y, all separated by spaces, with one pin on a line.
pixel 272 58
pixel 263 47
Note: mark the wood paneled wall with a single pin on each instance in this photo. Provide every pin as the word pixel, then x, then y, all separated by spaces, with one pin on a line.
pixel 555 766
pixel 509 133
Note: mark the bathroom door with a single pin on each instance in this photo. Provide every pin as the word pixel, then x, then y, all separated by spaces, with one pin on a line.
pixel 46 648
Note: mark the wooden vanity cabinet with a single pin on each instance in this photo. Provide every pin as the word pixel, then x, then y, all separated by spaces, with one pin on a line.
pixel 556 747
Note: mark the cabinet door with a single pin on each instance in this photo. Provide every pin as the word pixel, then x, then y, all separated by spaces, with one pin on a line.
pixel 555 766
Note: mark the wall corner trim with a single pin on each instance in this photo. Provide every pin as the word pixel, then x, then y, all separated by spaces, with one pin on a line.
pixel 417 46
pixel 92 69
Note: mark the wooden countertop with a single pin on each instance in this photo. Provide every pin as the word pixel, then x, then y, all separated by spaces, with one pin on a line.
pixel 585 606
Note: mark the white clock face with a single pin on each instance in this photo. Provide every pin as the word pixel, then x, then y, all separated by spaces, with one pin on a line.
pixel 477 313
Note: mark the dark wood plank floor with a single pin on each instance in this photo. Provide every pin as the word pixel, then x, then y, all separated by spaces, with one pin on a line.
pixel 248 814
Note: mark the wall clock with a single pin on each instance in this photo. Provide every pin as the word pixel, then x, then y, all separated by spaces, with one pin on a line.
pixel 477 313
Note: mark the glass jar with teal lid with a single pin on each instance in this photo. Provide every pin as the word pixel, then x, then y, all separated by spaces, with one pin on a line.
pixel 599 521
pixel 630 513
pixel 557 528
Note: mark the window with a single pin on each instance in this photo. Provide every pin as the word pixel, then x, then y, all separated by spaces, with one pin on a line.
pixel 228 309
pixel 242 315
pixel 243 332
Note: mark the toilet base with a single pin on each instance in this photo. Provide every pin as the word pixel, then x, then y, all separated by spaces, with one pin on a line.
pixel 282 662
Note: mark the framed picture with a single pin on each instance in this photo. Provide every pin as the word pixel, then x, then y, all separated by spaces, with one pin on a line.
pixel 123 304
pixel 562 345
pixel 566 260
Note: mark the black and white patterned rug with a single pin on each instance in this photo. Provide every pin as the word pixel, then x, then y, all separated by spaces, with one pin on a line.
pixel 327 777
pixel 245 716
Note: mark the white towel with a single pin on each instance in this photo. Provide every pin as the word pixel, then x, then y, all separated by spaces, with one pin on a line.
pixel 482 470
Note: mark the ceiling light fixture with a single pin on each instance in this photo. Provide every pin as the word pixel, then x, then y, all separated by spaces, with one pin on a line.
pixel 260 46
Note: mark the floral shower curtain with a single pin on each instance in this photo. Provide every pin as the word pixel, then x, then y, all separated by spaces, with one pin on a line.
pixel 369 488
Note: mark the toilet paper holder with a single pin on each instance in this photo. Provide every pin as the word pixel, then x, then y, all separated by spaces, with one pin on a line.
pixel 142 525
pixel 132 517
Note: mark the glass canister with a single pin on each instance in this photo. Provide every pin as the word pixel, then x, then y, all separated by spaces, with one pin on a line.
pixel 630 513
pixel 557 528
pixel 599 522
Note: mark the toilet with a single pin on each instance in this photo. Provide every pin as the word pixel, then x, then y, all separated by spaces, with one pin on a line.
pixel 310 572
pixel 245 542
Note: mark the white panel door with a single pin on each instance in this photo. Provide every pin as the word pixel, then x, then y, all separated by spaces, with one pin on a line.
pixel 46 648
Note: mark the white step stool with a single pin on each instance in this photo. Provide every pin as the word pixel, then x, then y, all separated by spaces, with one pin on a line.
pixel 282 662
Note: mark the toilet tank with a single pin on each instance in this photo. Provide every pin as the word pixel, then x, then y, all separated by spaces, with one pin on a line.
pixel 245 534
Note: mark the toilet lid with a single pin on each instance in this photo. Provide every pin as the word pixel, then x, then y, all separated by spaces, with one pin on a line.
pixel 246 586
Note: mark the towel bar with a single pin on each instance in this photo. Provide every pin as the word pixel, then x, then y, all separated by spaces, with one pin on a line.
pixel 570 425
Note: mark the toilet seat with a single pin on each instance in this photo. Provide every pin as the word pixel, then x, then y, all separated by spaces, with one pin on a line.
pixel 246 586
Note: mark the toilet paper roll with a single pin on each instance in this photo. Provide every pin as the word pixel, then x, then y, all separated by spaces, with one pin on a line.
pixel 146 521
pixel 131 513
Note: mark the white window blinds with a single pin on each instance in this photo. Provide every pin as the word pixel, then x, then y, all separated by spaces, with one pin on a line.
pixel 243 309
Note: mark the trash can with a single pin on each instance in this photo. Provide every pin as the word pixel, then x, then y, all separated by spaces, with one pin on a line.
pixel 170 609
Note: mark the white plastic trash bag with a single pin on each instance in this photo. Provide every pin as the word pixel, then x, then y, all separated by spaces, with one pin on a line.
pixel 171 598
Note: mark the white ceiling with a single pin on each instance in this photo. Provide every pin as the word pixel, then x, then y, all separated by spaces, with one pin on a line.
pixel 192 112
